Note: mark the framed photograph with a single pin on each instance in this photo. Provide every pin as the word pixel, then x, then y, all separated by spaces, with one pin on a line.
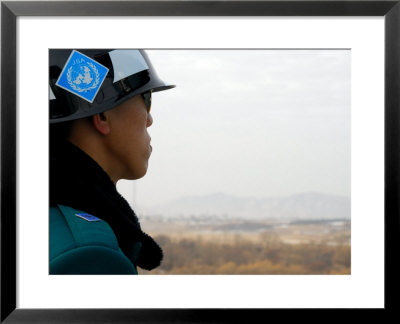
pixel 360 39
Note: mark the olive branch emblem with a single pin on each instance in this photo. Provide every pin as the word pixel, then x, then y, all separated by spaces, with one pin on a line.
pixel 93 86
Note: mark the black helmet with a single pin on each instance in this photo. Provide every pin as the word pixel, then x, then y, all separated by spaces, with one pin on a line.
pixel 86 82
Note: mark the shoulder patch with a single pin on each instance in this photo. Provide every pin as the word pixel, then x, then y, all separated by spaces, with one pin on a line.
pixel 88 217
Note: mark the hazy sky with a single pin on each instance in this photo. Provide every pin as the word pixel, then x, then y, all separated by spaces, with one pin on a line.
pixel 261 123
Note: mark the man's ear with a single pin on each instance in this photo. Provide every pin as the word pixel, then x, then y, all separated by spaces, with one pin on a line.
pixel 101 123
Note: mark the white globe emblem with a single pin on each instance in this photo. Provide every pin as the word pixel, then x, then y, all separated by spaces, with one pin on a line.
pixel 83 76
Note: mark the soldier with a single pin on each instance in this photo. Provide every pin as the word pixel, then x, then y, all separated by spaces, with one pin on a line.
pixel 100 104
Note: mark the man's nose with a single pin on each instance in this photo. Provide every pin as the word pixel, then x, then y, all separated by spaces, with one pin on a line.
pixel 149 120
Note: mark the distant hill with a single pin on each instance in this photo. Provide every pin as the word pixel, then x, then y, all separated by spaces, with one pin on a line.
pixel 310 206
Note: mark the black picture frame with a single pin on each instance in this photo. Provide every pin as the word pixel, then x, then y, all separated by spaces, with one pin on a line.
pixel 10 10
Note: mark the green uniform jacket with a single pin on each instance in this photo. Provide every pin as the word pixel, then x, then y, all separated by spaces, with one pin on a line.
pixel 83 244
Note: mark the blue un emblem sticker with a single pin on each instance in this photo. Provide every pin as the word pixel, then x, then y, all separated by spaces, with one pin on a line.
pixel 82 76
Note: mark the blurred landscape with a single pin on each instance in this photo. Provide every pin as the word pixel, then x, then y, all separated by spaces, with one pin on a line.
pixel 222 234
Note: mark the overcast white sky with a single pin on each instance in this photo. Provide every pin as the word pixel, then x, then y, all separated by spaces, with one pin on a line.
pixel 262 123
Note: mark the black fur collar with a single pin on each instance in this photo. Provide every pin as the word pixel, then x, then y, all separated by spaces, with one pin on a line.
pixel 76 180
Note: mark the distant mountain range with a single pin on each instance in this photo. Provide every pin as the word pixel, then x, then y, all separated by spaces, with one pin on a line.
pixel 306 206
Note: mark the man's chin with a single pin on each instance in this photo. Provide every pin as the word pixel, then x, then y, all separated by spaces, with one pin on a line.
pixel 134 176
pixel 140 174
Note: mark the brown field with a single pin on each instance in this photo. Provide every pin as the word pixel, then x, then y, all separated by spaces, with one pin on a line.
pixel 249 247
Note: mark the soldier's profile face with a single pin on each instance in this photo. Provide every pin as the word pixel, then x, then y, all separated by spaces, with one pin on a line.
pixel 128 140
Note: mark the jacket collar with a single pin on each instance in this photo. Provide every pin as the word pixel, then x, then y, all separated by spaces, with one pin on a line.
pixel 78 181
